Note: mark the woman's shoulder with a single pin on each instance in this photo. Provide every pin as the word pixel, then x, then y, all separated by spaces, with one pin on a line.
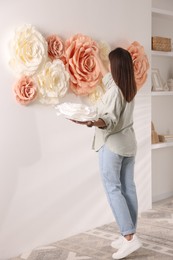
pixel 108 80
pixel 111 94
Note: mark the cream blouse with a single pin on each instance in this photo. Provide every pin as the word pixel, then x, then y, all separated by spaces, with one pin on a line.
pixel 117 113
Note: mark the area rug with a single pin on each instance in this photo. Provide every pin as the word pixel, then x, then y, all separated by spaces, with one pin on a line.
pixel 155 229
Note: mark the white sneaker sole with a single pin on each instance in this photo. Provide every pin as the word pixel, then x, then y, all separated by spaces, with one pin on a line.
pixel 130 251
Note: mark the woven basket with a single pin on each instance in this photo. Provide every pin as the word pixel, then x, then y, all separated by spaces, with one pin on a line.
pixel 161 44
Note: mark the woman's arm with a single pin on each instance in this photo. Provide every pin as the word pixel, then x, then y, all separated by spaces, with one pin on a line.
pixel 98 123
pixel 103 69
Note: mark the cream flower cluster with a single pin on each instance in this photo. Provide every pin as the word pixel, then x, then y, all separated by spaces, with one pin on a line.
pixel 28 51
pixel 41 78
pixel 48 68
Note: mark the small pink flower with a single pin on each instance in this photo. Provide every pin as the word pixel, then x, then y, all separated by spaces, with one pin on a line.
pixel 25 90
pixel 55 48
pixel 140 61
pixel 81 64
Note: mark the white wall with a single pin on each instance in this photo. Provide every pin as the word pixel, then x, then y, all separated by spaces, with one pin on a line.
pixel 49 180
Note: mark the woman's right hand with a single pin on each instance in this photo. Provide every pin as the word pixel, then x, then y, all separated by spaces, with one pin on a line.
pixel 103 69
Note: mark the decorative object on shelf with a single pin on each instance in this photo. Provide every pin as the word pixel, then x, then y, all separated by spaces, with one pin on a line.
pixel 154 135
pixel 161 138
pixel 168 138
pixel 55 67
pixel 157 84
pixel 170 84
pixel 165 86
pixel 161 43
pixel 165 138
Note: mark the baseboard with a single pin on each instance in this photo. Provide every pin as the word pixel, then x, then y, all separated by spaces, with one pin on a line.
pixel 162 196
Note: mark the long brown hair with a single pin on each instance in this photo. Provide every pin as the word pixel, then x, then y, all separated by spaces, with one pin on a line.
pixel 122 70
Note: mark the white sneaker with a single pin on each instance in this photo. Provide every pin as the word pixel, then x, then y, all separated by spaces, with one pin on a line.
pixel 127 247
pixel 117 243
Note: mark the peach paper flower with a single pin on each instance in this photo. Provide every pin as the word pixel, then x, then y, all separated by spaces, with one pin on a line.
pixel 81 64
pixel 28 51
pixel 25 90
pixel 55 48
pixel 140 61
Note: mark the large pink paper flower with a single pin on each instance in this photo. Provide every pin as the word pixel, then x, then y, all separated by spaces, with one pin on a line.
pixel 55 48
pixel 25 90
pixel 140 61
pixel 81 64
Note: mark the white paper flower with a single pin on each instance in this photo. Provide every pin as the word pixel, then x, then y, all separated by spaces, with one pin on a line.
pixel 53 82
pixel 28 50
pixel 76 111
pixel 97 94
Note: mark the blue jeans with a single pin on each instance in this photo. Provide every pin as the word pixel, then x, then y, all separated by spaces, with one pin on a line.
pixel 117 174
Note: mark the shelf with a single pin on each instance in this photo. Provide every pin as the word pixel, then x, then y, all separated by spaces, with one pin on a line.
pixel 161 145
pixel 168 14
pixel 161 93
pixel 162 53
pixel 162 12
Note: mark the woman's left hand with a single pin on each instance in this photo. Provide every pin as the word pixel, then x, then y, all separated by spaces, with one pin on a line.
pixel 87 123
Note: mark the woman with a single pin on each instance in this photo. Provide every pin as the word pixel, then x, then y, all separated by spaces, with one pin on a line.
pixel 116 144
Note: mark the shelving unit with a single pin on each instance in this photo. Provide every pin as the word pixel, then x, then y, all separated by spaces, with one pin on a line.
pixel 161 93
pixel 162 12
pixel 162 145
pixel 162 103
pixel 163 54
